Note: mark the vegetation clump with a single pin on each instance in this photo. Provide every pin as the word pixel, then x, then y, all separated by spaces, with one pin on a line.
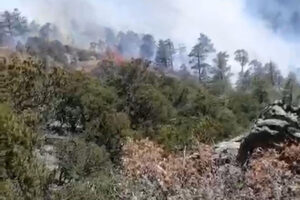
pixel 117 121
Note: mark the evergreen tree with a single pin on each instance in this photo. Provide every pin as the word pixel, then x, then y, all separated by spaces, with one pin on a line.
pixel 221 73
pixel 147 48
pixel 13 23
pixel 199 54
pixel 164 54
pixel 273 74
pixel 170 52
pixel 161 55
pixel 129 44
pixel 221 70
pixel 244 81
pixel 49 32
pixel 291 90
pixel 257 68
pixel 242 57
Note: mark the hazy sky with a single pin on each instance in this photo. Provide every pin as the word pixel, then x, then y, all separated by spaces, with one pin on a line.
pixel 262 27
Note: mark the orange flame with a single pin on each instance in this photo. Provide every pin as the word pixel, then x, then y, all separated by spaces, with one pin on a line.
pixel 115 56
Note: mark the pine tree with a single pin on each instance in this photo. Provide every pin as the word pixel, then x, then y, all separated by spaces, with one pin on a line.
pixel 221 70
pixel 164 54
pixel 161 58
pixel 13 24
pixel 242 57
pixel 199 54
pixel 147 48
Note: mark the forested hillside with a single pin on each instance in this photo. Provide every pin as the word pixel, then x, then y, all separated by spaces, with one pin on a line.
pixel 127 118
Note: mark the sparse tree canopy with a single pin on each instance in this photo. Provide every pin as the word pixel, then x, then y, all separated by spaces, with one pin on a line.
pixel 273 73
pixel 257 68
pixel 242 57
pixel 289 87
pixel 147 48
pixel 221 70
pixel 170 51
pixel 161 56
pixel 70 134
pixel 13 23
pixel 48 31
pixel 129 44
pixel 199 54
pixel 164 54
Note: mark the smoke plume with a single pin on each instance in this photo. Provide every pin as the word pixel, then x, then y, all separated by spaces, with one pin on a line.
pixel 267 29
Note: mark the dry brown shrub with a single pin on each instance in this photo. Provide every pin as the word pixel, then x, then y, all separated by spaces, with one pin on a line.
pixel 145 159
pixel 291 155
pixel 271 172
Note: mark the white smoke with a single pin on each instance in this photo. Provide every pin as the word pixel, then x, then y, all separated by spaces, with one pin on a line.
pixel 226 22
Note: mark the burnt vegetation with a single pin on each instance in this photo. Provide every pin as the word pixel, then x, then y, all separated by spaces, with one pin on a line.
pixel 127 118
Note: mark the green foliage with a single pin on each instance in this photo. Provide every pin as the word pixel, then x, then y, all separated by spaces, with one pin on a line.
pixel 260 91
pixel 174 137
pixel 81 102
pixel 207 130
pixel 97 113
pixel 245 107
pixel 131 101
pixel 13 24
pixel 242 57
pixel 26 85
pixel 101 187
pixel 199 54
pixel 291 90
pixel 175 91
pixel 175 112
pixel 150 105
pixel 202 103
pixel 22 176
pixel 164 54
pixel 79 159
pixel 229 124
pixel 110 131
pixel 187 132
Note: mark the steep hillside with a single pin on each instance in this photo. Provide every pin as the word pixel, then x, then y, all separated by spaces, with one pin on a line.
pixel 126 131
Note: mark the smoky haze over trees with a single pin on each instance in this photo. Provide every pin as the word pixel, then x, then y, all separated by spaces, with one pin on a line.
pixel 242 57
pixel 165 54
pixel 148 47
pixel 199 55
pixel 47 41
pixel 12 24
pixel 123 115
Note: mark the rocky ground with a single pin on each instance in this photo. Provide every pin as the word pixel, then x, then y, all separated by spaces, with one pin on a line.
pixel 263 164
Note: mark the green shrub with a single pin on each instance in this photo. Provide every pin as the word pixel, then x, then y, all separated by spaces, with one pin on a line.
pixel 79 159
pixel 150 105
pixel 201 103
pixel 101 187
pixel 228 123
pixel 22 176
pixel 175 137
pixel 245 107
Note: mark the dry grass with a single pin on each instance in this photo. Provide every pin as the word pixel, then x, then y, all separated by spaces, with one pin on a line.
pixel 273 173
pixel 270 174
pixel 145 159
